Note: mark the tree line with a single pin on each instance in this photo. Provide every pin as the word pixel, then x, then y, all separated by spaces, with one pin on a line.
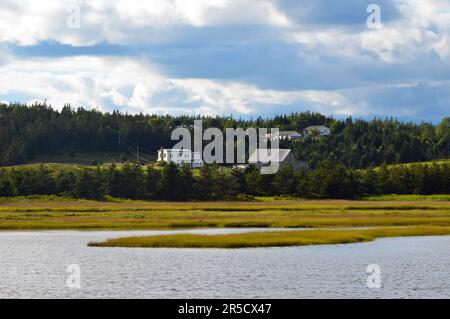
pixel 212 182
pixel 28 131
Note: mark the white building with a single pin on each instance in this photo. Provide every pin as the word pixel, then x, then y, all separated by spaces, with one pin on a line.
pixel 321 130
pixel 284 135
pixel 180 157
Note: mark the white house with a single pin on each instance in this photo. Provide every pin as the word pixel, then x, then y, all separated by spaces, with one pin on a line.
pixel 284 135
pixel 322 130
pixel 180 157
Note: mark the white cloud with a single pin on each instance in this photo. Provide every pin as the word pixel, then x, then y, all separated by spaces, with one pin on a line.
pixel 28 22
pixel 136 86
pixel 424 26
pixel 442 47
pixel 320 53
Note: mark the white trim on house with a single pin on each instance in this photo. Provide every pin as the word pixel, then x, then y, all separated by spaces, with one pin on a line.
pixel 284 135
pixel 180 157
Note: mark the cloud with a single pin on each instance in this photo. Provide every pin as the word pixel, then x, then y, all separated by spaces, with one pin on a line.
pixel 313 14
pixel 27 22
pixel 136 86
pixel 426 101
pixel 111 83
pixel 244 57
pixel 419 30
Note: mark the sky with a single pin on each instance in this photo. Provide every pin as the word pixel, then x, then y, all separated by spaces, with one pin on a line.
pixel 244 58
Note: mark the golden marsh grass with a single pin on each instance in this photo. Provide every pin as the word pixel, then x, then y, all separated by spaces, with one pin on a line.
pixel 36 214
pixel 271 239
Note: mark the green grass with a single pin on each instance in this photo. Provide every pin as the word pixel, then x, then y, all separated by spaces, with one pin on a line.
pixel 411 198
pixel 418 216
pixel 77 158
pixel 56 168
pixel 270 239
pixel 53 167
pixel 63 161
pixel 429 163
pixel 59 213
pixel 86 158
pixel 436 162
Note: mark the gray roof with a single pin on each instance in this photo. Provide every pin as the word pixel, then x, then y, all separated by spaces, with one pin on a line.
pixel 287 133
pixel 269 155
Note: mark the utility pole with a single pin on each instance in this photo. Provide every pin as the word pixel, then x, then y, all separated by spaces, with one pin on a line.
pixel 118 145
pixel 137 154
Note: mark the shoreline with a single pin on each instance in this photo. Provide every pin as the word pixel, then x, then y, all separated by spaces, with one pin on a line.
pixel 270 239
pixel 334 221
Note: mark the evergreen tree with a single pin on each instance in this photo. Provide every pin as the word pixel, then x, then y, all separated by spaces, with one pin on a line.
pixel 153 177
pixel 88 185
pixel 169 183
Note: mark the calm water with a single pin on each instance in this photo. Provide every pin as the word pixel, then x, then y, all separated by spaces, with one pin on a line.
pixel 34 264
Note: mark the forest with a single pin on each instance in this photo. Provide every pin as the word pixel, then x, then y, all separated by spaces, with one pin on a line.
pixel 360 158
pixel 213 182
pixel 28 131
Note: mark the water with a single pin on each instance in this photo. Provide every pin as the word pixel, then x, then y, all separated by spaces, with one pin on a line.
pixel 34 265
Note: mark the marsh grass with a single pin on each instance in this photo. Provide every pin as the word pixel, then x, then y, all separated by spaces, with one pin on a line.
pixel 201 219
pixel 270 239
pixel 444 198
pixel 50 213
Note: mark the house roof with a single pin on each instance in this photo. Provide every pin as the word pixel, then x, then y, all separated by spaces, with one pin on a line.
pixel 288 133
pixel 285 133
pixel 269 155
pixel 174 150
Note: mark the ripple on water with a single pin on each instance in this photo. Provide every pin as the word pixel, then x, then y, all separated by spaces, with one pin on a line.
pixel 33 265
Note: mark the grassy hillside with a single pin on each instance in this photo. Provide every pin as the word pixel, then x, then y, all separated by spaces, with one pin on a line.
pixel 66 167
pixel 89 159
pixel 28 132
pixel 437 162
pixel 77 158
pixel 64 161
